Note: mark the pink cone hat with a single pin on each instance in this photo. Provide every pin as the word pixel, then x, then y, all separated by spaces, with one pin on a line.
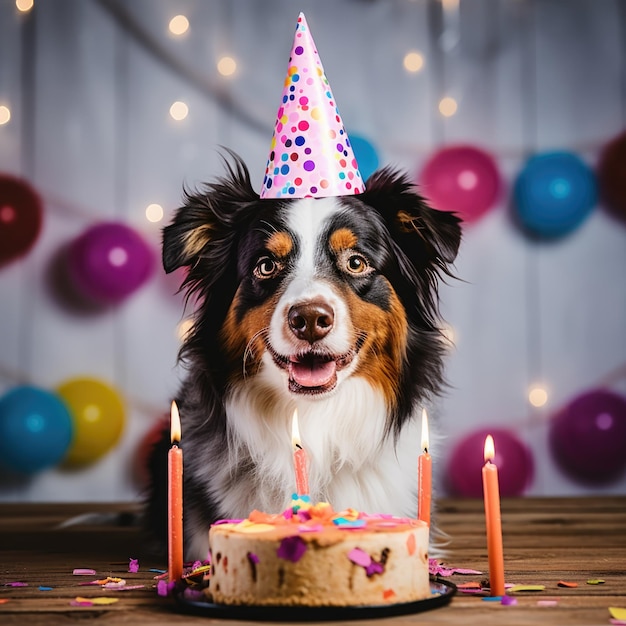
pixel 310 154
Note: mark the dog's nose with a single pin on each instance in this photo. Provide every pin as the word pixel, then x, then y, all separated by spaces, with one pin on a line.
pixel 311 320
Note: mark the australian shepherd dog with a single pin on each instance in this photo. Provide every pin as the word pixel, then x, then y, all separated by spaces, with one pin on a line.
pixel 324 305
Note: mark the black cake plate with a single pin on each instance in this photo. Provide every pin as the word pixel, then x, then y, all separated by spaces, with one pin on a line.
pixel 442 592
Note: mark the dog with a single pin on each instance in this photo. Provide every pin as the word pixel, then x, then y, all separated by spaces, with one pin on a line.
pixel 324 305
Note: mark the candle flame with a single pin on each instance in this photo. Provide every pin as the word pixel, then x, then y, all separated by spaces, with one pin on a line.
pixel 425 438
pixel 295 431
pixel 175 423
pixel 490 449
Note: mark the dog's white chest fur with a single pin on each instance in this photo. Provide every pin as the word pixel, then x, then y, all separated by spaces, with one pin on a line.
pixel 351 463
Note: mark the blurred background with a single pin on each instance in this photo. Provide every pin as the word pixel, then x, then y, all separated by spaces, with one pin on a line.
pixel 511 112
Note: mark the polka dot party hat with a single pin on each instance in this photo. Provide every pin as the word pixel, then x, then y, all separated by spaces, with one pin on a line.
pixel 310 154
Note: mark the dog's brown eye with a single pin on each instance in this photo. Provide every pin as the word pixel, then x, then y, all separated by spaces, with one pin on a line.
pixel 356 264
pixel 266 268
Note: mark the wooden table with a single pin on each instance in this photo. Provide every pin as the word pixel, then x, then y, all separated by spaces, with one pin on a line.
pixel 545 540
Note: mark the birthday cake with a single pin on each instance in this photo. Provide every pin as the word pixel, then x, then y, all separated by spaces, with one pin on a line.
pixel 309 555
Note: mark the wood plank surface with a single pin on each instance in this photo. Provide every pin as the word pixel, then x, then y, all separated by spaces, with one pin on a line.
pixel 546 540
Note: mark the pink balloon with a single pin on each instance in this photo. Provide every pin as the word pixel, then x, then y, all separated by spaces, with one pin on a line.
pixel 588 437
pixel 108 262
pixel 514 461
pixel 463 179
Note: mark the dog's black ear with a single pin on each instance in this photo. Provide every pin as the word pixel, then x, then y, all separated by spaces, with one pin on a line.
pixel 203 225
pixel 424 234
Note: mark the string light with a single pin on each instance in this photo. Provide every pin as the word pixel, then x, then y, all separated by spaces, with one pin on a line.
pixel 537 396
pixel 24 5
pixel 154 213
pixel 179 111
pixel 413 61
pixel 5 115
pixel 447 106
pixel 226 66
pixel 184 328
pixel 179 25
pixel 449 333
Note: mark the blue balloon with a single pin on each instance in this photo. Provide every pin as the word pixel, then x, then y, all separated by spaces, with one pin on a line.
pixel 365 155
pixel 35 429
pixel 554 193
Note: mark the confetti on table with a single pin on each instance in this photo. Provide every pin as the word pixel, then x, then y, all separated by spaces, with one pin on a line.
pixel 565 583
pixel 42 588
pixel 492 599
pixel 473 585
pixel 595 581
pixel 81 571
pixel 516 588
pixel 617 613
pixel 133 566
pixel 157 571
pixel 508 601
pixel 617 622
pixel 16 584
pixel 102 600
pixel 4 600
pixel 439 569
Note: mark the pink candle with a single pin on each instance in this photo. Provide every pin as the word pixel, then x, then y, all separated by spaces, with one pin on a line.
pixel 491 494
pixel 300 460
pixel 175 500
pixel 424 475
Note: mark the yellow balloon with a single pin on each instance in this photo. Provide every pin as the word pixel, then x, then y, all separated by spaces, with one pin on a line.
pixel 98 414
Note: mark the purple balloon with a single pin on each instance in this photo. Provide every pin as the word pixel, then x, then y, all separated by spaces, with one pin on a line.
pixel 588 437
pixel 514 461
pixel 108 262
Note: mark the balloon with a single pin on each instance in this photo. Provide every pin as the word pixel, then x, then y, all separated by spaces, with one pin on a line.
pixel 365 155
pixel 463 179
pixel 20 218
pixel 153 436
pixel 612 176
pixel 554 193
pixel 588 437
pixel 514 461
pixel 108 262
pixel 98 414
pixel 35 429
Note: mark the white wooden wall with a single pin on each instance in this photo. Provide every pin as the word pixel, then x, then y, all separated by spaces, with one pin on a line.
pixel 92 134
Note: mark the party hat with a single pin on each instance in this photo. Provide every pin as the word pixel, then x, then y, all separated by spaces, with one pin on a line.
pixel 310 154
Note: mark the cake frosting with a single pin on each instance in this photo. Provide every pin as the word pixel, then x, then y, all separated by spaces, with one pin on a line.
pixel 310 555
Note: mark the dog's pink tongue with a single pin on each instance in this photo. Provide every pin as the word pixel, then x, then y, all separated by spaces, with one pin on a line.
pixel 312 374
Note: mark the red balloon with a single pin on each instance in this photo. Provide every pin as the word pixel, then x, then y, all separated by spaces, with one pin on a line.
pixel 20 218
pixel 150 438
pixel 462 179
pixel 612 176
pixel 514 461
pixel 588 437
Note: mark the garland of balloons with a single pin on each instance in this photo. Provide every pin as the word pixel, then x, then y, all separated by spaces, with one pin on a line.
pixel 553 194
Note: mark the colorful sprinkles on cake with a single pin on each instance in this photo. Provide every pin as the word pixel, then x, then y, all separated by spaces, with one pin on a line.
pixel 310 153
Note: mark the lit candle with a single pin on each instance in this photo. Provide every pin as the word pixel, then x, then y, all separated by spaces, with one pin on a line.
pixel 424 475
pixel 299 458
pixel 175 499
pixel 491 493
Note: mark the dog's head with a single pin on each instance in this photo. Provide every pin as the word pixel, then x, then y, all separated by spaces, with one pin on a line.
pixel 307 293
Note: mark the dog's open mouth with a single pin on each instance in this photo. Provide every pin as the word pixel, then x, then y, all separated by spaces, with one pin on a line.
pixel 312 372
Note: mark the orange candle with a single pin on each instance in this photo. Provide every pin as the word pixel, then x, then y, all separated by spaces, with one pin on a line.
pixel 424 475
pixel 175 499
pixel 491 494
pixel 300 460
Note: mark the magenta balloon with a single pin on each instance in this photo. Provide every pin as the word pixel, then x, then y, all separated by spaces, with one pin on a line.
pixel 108 262
pixel 588 437
pixel 463 179
pixel 514 461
